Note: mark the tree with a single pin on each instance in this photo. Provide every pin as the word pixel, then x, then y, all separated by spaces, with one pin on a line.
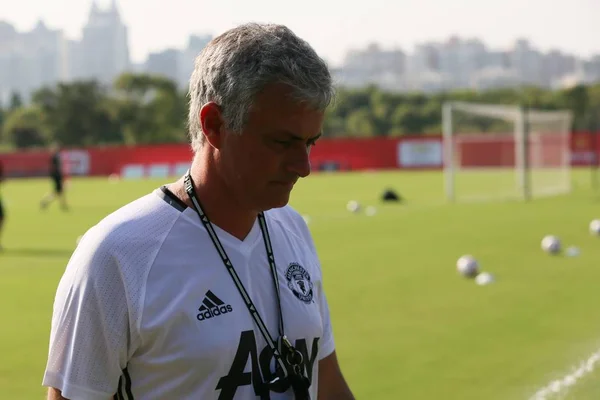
pixel 78 113
pixel 407 119
pixel 25 127
pixel 594 107
pixel 381 110
pixel 431 116
pixel 150 108
pixel 361 123
pixel 334 126
pixel 144 108
pixel 15 101
pixel 3 114
pixel 576 99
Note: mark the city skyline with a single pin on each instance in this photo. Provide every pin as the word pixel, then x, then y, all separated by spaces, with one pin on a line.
pixel 47 54
pixel 567 26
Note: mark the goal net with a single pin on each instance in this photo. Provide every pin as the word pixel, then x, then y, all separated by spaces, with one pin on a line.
pixel 499 152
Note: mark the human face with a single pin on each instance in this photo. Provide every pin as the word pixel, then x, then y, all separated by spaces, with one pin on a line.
pixel 261 165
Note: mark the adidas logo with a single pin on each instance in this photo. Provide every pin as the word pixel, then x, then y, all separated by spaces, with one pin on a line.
pixel 212 306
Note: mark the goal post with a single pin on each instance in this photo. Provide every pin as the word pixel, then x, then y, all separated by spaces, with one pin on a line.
pixel 502 152
pixel 549 155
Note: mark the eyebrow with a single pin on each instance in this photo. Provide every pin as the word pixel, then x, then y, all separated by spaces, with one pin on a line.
pixel 300 138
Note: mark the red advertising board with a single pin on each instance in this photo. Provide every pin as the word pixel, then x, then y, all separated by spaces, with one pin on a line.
pixel 585 148
pixel 407 152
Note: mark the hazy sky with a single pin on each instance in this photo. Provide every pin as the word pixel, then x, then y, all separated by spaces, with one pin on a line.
pixel 333 26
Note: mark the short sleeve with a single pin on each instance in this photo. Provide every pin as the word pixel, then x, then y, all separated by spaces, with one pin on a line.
pixel 301 228
pixel 90 331
pixel 328 344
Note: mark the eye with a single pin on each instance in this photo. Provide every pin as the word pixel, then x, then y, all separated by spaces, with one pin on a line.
pixel 282 143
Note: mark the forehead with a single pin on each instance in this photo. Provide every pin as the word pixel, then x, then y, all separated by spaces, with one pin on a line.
pixel 275 108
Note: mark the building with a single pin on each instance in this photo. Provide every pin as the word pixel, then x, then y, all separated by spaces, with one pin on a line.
pixel 164 63
pixel 103 53
pixel 30 60
pixel 188 56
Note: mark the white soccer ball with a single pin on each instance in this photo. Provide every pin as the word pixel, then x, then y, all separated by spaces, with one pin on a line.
pixel 572 251
pixel 467 266
pixel 484 278
pixel 370 211
pixel 551 244
pixel 353 206
pixel 595 227
pixel 114 178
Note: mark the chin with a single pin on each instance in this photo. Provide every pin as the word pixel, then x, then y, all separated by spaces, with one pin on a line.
pixel 278 202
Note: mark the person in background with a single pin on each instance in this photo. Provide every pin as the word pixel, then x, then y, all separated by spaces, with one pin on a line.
pixel 2 211
pixel 57 176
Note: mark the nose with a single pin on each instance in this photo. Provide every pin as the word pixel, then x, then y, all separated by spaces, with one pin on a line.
pixel 299 163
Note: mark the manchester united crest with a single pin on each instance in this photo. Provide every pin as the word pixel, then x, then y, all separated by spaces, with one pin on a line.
pixel 299 282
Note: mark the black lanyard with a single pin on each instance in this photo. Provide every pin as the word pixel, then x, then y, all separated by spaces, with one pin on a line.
pixel 291 353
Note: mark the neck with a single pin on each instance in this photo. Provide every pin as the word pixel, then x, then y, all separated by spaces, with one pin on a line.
pixel 218 202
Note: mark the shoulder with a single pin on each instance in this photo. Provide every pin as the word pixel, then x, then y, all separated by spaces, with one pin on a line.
pixel 114 258
pixel 129 237
pixel 290 220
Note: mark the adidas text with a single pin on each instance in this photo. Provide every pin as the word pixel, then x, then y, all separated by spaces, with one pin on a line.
pixel 213 312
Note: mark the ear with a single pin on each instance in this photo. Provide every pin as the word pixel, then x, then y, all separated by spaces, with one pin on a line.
pixel 212 125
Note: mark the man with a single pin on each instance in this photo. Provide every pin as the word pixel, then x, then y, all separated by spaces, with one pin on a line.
pixel 57 176
pixel 2 213
pixel 210 287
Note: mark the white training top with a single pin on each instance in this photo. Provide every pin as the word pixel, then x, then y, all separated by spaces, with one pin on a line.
pixel 147 310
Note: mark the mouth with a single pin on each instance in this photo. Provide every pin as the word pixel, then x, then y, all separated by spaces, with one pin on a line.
pixel 287 184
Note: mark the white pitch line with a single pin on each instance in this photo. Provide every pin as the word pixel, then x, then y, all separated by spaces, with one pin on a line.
pixel 559 386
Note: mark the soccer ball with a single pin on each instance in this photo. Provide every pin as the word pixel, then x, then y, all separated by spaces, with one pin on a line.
pixel 484 278
pixel 572 251
pixel 353 206
pixel 551 244
pixel 595 227
pixel 370 211
pixel 467 266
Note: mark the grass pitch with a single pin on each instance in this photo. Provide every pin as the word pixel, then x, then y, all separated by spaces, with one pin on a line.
pixel 406 325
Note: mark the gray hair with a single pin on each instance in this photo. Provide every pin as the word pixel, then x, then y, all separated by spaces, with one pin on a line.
pixel 235 66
